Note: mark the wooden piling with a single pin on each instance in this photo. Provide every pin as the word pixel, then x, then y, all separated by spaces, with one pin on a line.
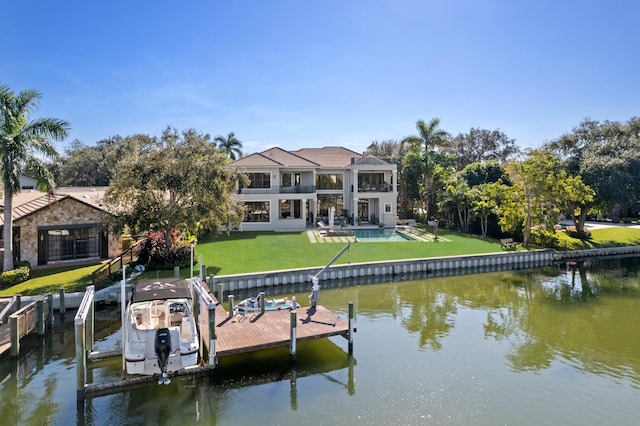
pixel 262 302
pixel 50 308
pixel 351 327
pixel 292 342
pixel 212 339
pixel 80 359
pixel 220 290
pixel 40 325
pixel 63 309
pixel 231 297
pixel 14 327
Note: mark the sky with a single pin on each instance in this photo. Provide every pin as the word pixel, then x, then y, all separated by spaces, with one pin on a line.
pixel 299 73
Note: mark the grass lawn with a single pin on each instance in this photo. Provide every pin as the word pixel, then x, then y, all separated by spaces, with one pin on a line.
pixel 243 252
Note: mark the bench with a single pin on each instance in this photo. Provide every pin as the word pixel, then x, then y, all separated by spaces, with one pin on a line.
pixel 508 243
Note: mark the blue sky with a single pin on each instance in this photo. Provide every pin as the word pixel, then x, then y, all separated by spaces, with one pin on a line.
pixel 299 73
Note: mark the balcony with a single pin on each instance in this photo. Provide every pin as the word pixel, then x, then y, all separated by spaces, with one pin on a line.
pixel 299 189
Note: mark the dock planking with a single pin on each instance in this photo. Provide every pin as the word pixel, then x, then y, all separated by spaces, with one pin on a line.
pixel 254 332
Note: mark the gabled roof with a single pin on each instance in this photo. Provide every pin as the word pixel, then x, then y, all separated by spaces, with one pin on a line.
pixel 26 203
pixel 274 157
pixel 330 156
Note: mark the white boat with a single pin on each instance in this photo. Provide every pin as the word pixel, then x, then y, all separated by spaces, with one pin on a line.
pixel 160 329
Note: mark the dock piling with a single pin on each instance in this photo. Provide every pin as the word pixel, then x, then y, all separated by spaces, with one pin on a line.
pixel 40 325
pixel 220 290
pixel 63 309
pixel 351 328
pixel 231 297
pixel 14 326
pixel 292 343
pixel 262 302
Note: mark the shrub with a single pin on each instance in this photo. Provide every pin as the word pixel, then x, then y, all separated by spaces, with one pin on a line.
pixel 544 238
pixel 15 276
pixel 152 251
pixel 573 232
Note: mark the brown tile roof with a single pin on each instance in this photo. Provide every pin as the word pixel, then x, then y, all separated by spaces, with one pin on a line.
pixel 330 156
pixel 28 202
pixel 274 157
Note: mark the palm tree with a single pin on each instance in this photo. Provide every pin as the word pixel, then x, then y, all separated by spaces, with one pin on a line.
pixel 429 137
pixel 23 143
pixel 231 146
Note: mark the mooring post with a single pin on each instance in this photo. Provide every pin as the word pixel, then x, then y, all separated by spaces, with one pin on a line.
pixel 231 297
pixel 14 329
pixel 80 359
pixel 40 325
pixel 220 292
pixel 351 328
pixel 262 302
pixel 292 343
pixel 63 309
pixel 212 338
pixel 90 331
pixel 50 308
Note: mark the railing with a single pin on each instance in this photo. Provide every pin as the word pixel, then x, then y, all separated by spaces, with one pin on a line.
pixel 100 275
pixel 300 189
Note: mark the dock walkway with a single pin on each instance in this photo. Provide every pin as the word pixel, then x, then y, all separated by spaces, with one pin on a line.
pixel 238 334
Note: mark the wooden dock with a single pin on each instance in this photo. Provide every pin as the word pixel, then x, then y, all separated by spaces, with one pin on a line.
pixel 238 334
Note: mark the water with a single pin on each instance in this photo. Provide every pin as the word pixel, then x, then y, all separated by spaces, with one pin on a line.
pixel 380 235
pixel 529 347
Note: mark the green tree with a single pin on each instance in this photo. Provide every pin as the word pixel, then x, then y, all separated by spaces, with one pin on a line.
pixel 457 198
pixel 607 157
pixel 25 142
pixel 484 203
pixel 84 165
pixel 230 146
pixel 429 137
pixel 179 182
pixel 481 145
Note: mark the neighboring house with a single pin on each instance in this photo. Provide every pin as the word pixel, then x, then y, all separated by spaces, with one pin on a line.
pixel 66 226
pixel 289 190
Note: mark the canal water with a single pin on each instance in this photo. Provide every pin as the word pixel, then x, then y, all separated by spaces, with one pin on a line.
pixel 548 346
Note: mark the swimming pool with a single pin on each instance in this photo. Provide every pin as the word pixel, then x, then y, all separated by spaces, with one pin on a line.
pixel 380 236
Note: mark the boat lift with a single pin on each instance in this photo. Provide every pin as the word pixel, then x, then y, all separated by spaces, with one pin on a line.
pixel 314 297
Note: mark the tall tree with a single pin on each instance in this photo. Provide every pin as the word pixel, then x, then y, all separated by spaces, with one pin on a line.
pixel 429 137
pixel 481 145
pixel 230 146
pixel 177 182
pixel 25 142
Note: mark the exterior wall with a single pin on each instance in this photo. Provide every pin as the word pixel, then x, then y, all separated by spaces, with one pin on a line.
pixel 66 212
pixel 350 195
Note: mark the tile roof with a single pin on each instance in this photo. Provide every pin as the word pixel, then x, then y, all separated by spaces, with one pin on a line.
pixel 332 156
pixel 274 157
pixel 31 201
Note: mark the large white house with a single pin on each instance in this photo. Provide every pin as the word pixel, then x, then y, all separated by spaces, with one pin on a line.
pixel 290 190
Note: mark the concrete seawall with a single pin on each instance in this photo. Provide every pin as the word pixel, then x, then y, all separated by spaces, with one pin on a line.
pixel 276 282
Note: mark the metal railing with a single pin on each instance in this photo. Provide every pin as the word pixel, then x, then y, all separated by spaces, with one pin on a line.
pixel 101 275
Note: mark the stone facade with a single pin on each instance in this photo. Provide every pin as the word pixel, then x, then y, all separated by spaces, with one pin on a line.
pixel 67 211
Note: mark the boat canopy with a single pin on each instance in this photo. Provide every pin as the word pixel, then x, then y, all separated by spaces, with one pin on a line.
pixel 146 291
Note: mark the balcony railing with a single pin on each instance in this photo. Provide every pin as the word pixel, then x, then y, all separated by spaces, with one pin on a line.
pixel 300 189
pixel 375 188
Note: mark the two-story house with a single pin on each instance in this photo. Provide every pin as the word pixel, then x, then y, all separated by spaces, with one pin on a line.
pixel 290 190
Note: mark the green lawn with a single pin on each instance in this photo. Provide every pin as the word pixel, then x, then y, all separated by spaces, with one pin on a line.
pixel 243 252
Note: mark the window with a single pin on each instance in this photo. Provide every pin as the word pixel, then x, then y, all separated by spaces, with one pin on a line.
pixel 387 208
pixel 329 181
pixel 286 179
pixel 259 180
pixel 326 200
pixel 73 243
pixel 285 209
pixel 256 211
pixel 371 182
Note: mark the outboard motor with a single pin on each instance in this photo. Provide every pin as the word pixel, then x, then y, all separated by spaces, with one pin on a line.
pixel 163 349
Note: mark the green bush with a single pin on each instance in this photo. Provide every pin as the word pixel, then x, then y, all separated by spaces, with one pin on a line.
pixel 15 276
pixel 573 232
pixel 544 238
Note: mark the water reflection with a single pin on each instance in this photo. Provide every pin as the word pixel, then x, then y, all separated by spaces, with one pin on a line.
pixel 442 349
